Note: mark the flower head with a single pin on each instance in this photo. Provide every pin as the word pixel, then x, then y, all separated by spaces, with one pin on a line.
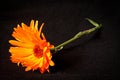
pixel 31 49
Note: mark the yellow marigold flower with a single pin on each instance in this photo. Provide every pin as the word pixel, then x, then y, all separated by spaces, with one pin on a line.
pixel 31 48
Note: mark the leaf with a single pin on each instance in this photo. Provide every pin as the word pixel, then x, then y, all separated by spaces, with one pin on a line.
pixel 93 22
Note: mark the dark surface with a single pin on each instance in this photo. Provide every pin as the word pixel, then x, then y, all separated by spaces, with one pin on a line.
pixel 93 57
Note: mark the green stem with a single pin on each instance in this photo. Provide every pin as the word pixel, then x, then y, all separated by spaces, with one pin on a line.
pixel 78 35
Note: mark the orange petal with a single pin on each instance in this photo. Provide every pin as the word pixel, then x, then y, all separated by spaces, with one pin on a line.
pixel 32 24
pixel 24 26
pixel 41 62
pixel 51 63
pixel 21 44
pixel 43 37
pixel 36 25
pixel 20 52
pixel 28 68
pixel 40 29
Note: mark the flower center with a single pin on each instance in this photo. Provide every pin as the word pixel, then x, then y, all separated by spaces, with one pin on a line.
pixel 38 52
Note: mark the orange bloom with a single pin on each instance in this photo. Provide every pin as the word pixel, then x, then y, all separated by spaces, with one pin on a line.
pixel 31 48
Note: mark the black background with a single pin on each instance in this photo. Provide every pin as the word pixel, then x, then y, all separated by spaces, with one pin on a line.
pixel 93 57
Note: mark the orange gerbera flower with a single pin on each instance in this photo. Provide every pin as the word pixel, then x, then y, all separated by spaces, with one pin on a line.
pixel 31 48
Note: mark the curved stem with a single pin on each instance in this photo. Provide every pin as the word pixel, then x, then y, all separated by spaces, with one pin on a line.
pixel 78 35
